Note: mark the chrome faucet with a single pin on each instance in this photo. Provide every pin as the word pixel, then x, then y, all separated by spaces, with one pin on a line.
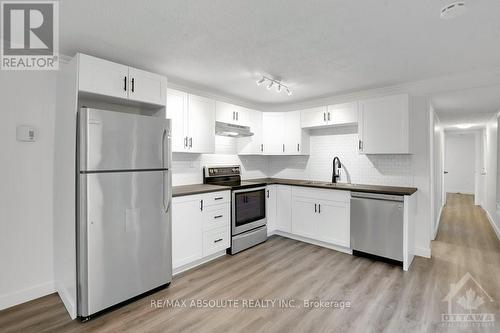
pixel 336 171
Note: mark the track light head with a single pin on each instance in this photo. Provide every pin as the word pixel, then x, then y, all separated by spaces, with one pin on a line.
pixel 259 82
pixel 279 88
pixel 289 92
pixel 270 85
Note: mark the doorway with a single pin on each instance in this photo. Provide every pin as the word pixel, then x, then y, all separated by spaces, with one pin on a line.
pixel 459 163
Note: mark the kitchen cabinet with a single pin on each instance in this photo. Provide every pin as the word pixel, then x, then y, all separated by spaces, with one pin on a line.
pixel 283 208
pixel 384 125
pixel 201 227
pixel 271 208
pixel 282 134
pixel 106 78
pixel 187 233
pixel 322 215
pixel 232 114
pixel 332 115
pixel 193 122
pixel 252 145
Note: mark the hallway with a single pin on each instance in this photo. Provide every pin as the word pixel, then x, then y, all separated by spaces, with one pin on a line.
pixel 384 298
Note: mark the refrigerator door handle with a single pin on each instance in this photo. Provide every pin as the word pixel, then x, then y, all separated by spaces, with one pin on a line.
pixel 166 196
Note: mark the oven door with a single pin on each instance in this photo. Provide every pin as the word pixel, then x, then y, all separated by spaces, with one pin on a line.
pixel 248 209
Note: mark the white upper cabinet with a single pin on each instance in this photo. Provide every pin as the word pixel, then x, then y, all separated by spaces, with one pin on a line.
pixel 314 117
pixel 343 114
pixel 102 77
pixel 193 122
pixel 146 87
pixel 282 134
pixel 232 114
pixel 332 115
pixel 106 78
pixel 273 133
pixel 201 122
pixel 384 125
pixel 177 112
pixel 252 145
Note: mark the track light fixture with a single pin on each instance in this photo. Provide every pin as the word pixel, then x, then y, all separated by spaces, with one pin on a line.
pixel 273 82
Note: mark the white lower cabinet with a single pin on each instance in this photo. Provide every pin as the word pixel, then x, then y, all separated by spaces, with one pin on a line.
pixel 271 208
pixel 321 214
pixel 283 208
pixel 201 226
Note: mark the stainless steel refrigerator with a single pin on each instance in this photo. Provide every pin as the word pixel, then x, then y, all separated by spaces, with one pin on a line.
pixel 124 218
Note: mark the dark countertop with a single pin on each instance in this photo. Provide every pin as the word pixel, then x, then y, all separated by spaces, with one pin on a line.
pixel 392 190
pixel 178 191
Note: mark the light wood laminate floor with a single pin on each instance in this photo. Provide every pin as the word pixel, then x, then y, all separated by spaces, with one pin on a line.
pixel 383 297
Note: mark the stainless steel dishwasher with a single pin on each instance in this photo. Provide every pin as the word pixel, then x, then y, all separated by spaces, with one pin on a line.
pixel 377 226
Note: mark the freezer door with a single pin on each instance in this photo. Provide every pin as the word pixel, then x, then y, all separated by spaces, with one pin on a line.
pixel 124 237
pixel 111 140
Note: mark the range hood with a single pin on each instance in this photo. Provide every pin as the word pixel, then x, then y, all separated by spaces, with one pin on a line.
pixel 232 130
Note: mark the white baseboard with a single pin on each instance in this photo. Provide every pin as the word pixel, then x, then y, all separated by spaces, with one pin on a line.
pixel 198 262
pixel 423 252
pixel 68 301
pixel 493 225
pixel 312 241
pixel 25 295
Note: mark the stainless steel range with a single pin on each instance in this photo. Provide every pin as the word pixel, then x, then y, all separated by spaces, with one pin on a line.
pixel 248 206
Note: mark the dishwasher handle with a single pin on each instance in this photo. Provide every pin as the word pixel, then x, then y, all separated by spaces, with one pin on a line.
pixel 376 196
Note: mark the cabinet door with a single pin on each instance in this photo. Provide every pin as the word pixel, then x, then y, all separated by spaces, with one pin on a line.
pixel 273 133
pixel 147 87
pixel 225 112
pixel 242 117
pixel 304 216
pixel 201 121
pixel 252 145
pixel 343 114
pixel 177 112
pixel 187 238
pixel 333 223
pixel 314 117
pixel 284 208
pixel 293 133
pixel 271 208
pixel 384 125
pixel 102 77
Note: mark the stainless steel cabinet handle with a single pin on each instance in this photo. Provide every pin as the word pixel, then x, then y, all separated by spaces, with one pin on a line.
pixel 201 204
pixel 185 142
pixel 283 147
pixel 328 116
pixel 219 198
pixel 298 146
pixel 125 83
pixel 234 115
pixel 133 84
pixel 360 145
pixel 237 116
pixel 319 208
pixel 190 142
pixel 218 240
pixel 268 193
pixel 261 147
pixel 315 208
pixel 217 216
pixel 324 116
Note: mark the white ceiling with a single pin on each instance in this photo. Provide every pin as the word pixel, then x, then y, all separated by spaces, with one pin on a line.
pixel 472 106
pixel 319 48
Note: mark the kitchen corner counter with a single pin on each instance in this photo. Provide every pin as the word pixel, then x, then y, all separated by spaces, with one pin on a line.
pixel 178 191
pixel 379 189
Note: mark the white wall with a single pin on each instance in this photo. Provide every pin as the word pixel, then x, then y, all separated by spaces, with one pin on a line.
pixel 26 173
pixel 327 143
pixel 491 173
pixel 460 160
pixel 438 169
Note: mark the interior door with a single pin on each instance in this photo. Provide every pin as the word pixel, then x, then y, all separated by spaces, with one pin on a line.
pixel 146 87
pixel 459 163
pixel 273 133
pixel 201 120
pixel 128 240
pixel 177 112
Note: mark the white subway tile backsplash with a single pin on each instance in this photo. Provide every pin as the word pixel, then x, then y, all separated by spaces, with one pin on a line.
pixel 325 144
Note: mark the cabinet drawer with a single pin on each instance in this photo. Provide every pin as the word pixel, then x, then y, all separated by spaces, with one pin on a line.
pixel 216 217
pixel 216 198
pixel 215 240
pixel 323 194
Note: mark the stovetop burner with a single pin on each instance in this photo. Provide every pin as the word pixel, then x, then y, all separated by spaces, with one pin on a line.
pixel 229 175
